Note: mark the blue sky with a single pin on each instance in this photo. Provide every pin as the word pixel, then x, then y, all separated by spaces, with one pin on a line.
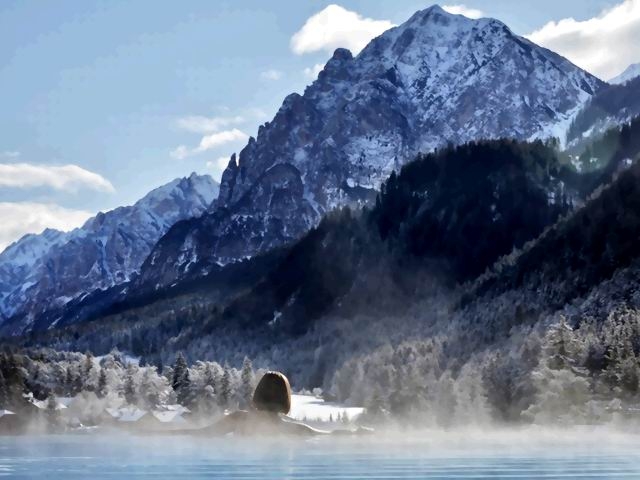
pixel 103 101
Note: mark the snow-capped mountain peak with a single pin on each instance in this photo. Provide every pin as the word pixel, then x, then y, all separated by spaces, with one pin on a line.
pixel 50 268
pixel 28 249
pixel 435 79
pixel 631 72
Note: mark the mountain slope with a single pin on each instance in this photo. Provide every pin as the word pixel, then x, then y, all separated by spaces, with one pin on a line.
pixel 613 105
pixel 498 193
pixel 40 272
pixel 438 78
pixel 563 310
pixel 443 220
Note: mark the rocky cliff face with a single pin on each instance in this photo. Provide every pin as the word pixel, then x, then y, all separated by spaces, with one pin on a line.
pixel 42 271
pixel 436 79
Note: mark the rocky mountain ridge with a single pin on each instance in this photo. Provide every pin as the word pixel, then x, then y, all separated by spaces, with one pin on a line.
pixel 436 79
pixel 47 270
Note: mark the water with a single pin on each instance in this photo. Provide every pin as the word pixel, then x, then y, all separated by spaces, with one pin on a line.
pixel 590 455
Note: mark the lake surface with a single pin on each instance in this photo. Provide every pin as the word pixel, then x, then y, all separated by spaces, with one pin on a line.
pixel 531 455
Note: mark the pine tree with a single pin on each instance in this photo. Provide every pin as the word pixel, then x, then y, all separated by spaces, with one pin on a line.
pixel 561 385
pixel 130 393
pixel 35 385
pixel 561 347
pixel 14 382
pixel 209 376
pixel 225 388
pixel 208 401
pixel 68 380
pixel 247 382
pixel 73 380
pixel 59 373
pixel 181 382
pixel 148 390
pixel 102 384
pixel 86 373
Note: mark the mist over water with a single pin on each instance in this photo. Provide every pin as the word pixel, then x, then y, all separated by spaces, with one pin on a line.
pixel 527 453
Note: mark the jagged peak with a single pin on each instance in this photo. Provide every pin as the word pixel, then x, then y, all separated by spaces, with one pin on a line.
pixel 433 14
pixel 233 163
pixel 433 9
pixel 437 17
pixel 289 101
pixel 428 28
pixel 342 54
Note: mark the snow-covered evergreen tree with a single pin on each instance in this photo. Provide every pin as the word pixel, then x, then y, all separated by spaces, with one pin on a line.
pixel 224 396
pixel 101 388
pixel 247 385
pixel 129 388
pixel 181 382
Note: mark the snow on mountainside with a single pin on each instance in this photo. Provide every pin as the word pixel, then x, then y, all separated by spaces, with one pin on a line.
pixel 45 270
pixel 26 251
pixel 435 79
pixel 612 106
pixel 631 72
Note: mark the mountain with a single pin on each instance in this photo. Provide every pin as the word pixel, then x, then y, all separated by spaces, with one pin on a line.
pixel 631 72
pixel 397 290
pixel 439 223
pixel 436 79
pixel 611 106
pixel 41 272
pixel 549 333
pixel 422 221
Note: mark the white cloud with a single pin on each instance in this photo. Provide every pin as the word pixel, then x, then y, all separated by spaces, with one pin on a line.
pixel 68 178
pixel 463 10
pixel 20 218
pixel 604 45
pixel 217 166
pixel 216 139
pixel 336 27
pixel 312 72
pixel 180 152
pixel 202 124
pixel 271 75
pixel 208 142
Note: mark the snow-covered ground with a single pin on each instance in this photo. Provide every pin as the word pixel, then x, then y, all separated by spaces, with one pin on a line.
pixel 308 407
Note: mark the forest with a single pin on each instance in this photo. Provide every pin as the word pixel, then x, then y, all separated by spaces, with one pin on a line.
pixel 206 389
pixel 491 282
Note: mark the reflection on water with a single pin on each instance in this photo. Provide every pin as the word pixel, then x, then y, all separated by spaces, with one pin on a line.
pixel 587 455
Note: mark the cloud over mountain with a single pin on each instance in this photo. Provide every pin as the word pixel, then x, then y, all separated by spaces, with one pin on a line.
pixel 334 27
pixel 210 141
pixel 604 45
pixel 20 218
pixel 67 178
pixel 460 9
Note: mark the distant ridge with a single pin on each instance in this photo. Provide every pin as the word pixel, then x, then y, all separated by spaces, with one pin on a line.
pixel 42 271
